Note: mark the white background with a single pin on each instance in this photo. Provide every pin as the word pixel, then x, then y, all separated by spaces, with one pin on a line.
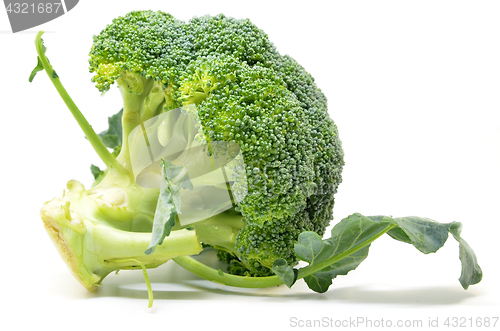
pixel 414 89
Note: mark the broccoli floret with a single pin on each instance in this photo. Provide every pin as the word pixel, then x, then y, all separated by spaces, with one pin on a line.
pixel 153 45
pixel 240 39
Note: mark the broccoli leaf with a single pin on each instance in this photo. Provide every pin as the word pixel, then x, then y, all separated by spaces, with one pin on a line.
pixel 348 246
pixel 425 234
pixel 112 137
pixel 311 248
pixel 175 178
pixel 96 171
pixel 39 67
pixel 321 280
pixel 428 236
pixel 286 273
pixel 343 252
pixel 471 271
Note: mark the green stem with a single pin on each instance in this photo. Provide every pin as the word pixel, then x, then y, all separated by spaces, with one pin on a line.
pixel 220 230
pixel 93 138
pixel 148 285
pixel 130 120
pixel 143 98
pixel 220 277
pixel 146 279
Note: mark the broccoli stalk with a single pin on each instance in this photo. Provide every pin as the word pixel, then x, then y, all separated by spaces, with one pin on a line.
pixel 143 98
pixel 107 227
pixel 221 230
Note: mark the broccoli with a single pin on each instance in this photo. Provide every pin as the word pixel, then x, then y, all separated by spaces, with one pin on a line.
pixel 244 92
pixel 279 118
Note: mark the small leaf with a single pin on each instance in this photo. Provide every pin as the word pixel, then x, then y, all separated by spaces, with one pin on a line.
pixel 471 271
pixel 286 273
pixel 164 219
pixel 112 137
pixel 96 171
pixel 175 178
pixel 39 67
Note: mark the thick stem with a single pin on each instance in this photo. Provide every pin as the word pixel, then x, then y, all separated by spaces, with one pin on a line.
pixel 130 120
pixel 143 99
pixel 93 138
pixel 220 230
pixel 115 246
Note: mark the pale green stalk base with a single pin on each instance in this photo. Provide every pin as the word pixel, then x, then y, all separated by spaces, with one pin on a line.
pixel 93 249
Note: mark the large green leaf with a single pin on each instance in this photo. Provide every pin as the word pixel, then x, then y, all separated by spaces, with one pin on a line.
pixel 342 252
pixel 350 241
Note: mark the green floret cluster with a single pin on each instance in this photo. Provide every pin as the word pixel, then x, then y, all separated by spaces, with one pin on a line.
pixel 251 106
pixel 151 44
pixel 241 39
pixel 247 93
